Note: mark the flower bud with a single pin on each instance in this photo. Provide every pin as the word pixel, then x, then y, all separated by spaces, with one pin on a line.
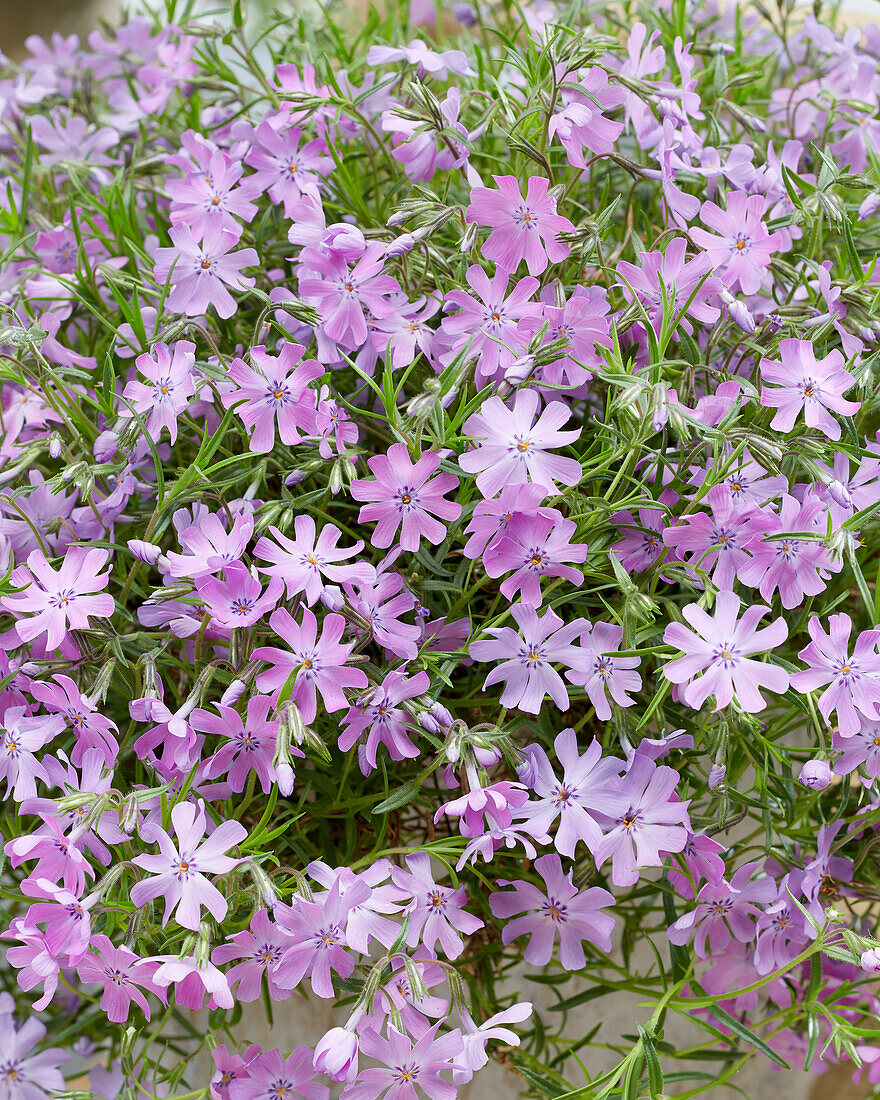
pixel 336 1054
pixel 870 960
pixel 469 238
pixel 815 774
pixel 147 552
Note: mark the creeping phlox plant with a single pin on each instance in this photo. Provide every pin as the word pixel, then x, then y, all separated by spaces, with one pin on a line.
pixel 438 520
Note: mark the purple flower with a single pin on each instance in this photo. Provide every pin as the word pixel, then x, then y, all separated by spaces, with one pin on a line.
pixel 741 247
pixel 724 909
pixel 271 1076
pixel 816 774
pixel 192 979
pixel 284 168
pixel 260 947
pixel 381 604
pixel 561 910
pixel 514 447
pixel 315 664
pixel 404 496
pixel 473 1055
pixel 169 371
pixel 654 823
pixel 853 678
pixel 123 975
pixel 436 913
pixel 491 516
pixel 209 546
pixel 680 279
pixel 808 385
pixel 720 648
pixel 522 228
pixel 274 390
pixel 535 547
pixel 342 294
pixel 589 793
pixel 315 931
pixel 178 871
pixel 28 1075
pixel 439 64
pixel 238 601
pixel 528 671
pixel 61 601
pixel 383 719
pixel 23 737
pixel 199 273
pixel 250 743
pixel 602 674
pixel 336 1054
pixel 862 748
pixel 306 564
pixel 580 123
pixel 406 1065
pixel 214 198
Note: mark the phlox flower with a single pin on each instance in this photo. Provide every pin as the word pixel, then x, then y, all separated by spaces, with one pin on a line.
pixel 271 1076
pixel 860 749
pixel 589 793
pixel 409 1069
pixel 368 917
pixel 681 280
pixel 23 736
pixel 317 664
pixel 436 913
pixel 274 391
pixel 305 563
pixel 438 63
pixel 580 122
pixel 514 447
pixel 383 719
pixel 35 963
pixel 217 197
pixel 209 546
pixel 724 909
pixel 720 647
pixel 284 168
pixel 59 855
pixel 229 1067
pixel 192 979
pixel 491 516
pixel 852 676
pixel 381 604
pixel 560 910
pixel 200 272
pixel 238 601
pixel 29 1074
pixel 55 602
pixel 601 674
pixel 741 247
pixel 343 294
pixel 473 1055
pixel 260 948
pixel 535 547
pixel 528 672
pixel 405 495
pixel 577 326
pixel 654 823
pixel 90 729
pixel 123 974
pixel 315 931
pixel 809 385
pixel 249 742
pixel 522 228
pixel 169 372
pixel 178 872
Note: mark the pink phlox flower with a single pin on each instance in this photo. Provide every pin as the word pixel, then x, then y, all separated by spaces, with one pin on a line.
pixel 484 807
pixel 559 910
pixel 822 876
pixel 487 325
pixel 861 749
pixel 284 167
pixel 783 932
pixel 404 333
pixel 491 516
pixel 642 542
pixel 169 372
pixel 29 1075
pixel 317 945
pixel 39 507
pixel 238 601
pixel 703 859
pixel 741 247
pixel 407 496
pixel 305 563
pixel 343 295
pixel 797 567
pixel 514 447
pixel 59 856
pixel 66 916
pixel 580 324
pixel 749 482
pixel 475 1038
pixel 35 963
pixel 438 64
pixel 123 974
pixel 218 197
pixel 396 993
pixel 724 909
pixel 249 742
pixel 55 602
pixel 527 658
pixel 192 980
pixel 172 731
pixel 199 272
pixel 260 947
pixel 178 872
pixel 670 272
pixel 65 136
pixel 408 1069
pixel 808 385
pixel 437 914
pixel 316 664
pixel 274 391
pixel 23 736
pixel 522 228
pixel 230 1067
pixel 384 720
pixel 719 542
pixel 589 795
pixel 852 676
pixel 720 648
pixel 381 605
pixel 654 824
pixel 90 729
pixel 333 425
pixel 845 493
pixel 580 122
pixel 272 1076
pixel 535 547
pixel 602 674
pixel 368 918
pixel 336 1054
pixel 209 547
pixel 423 152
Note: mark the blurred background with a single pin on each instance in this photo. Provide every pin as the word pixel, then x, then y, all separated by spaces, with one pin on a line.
pixel 303 1022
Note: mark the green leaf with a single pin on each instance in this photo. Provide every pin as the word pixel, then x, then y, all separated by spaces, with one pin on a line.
pixel 398 798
